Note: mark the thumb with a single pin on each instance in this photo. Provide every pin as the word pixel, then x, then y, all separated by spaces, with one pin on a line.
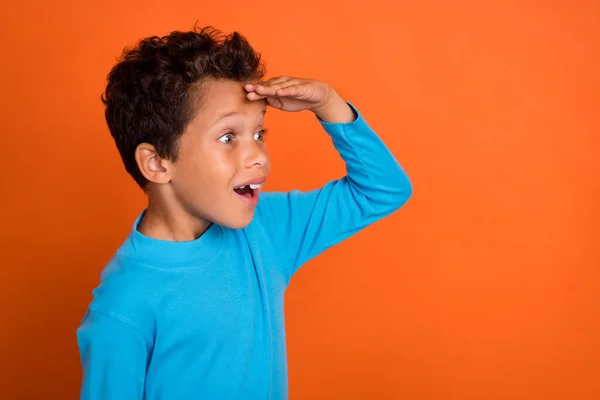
pixel 274 101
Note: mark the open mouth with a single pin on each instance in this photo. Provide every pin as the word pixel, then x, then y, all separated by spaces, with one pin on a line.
pixel 248 191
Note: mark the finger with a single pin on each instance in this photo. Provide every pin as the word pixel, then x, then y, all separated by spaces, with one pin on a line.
pixel 274 102
pixel 254 96
pixel 278 80
pixel 271 89
pixel 273 81
pixel 265 90
pixel 297 90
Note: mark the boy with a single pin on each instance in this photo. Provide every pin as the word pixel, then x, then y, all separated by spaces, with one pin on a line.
pixel 191 305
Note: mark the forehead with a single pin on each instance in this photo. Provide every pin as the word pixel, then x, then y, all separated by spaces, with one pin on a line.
pixel 218 98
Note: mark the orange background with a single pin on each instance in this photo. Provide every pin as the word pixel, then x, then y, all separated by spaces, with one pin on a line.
pixel 486 285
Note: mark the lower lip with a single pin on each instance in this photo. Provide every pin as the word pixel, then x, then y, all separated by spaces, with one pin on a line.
pixel 250 200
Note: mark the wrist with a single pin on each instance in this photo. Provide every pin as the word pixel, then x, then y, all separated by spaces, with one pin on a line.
pixel 335 110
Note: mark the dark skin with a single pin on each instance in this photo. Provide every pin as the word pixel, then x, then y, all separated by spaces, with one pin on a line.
pixel 295 94
pixel 221 154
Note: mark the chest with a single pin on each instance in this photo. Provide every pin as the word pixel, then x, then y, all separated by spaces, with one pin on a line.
pixel 236 297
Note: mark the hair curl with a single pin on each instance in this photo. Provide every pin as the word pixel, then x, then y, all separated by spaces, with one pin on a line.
pixel 152 92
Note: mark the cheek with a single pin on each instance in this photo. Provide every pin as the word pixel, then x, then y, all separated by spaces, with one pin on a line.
pixel 209 166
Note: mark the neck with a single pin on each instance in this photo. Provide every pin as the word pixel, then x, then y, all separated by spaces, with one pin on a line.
pixel 166 219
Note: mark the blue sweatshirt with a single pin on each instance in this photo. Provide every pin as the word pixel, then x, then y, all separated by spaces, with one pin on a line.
pixel 204 319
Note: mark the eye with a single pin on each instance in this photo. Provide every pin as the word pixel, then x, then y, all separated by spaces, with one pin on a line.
pixel 260 135
pixel 226 138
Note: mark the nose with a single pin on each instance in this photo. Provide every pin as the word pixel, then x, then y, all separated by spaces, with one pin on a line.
pixel 255 154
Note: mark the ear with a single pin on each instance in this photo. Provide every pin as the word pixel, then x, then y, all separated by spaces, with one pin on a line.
pixel 151 165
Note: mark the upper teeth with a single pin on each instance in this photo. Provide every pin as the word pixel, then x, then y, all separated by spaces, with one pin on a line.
pixel 253 186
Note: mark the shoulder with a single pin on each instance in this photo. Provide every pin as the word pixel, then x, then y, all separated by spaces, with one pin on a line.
pixel 124 294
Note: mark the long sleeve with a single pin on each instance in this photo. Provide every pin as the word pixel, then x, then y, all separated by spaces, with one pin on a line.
pixel 304 224
pixel 113 357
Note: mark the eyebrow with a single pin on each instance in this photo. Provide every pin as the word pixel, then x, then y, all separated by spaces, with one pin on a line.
pixel 233 113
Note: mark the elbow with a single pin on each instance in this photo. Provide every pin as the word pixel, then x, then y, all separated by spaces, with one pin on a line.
pixel 384 196
pixel 403 191
pixel 400 191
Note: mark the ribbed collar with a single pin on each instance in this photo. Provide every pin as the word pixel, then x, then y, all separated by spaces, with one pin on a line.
pixel 164 254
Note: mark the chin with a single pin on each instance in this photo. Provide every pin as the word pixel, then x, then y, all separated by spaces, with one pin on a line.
pixel 238 223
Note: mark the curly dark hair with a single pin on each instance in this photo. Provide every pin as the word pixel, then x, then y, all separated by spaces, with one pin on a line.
pixel 152 92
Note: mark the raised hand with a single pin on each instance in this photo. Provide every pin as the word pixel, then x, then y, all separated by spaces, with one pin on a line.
pixel 295 94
